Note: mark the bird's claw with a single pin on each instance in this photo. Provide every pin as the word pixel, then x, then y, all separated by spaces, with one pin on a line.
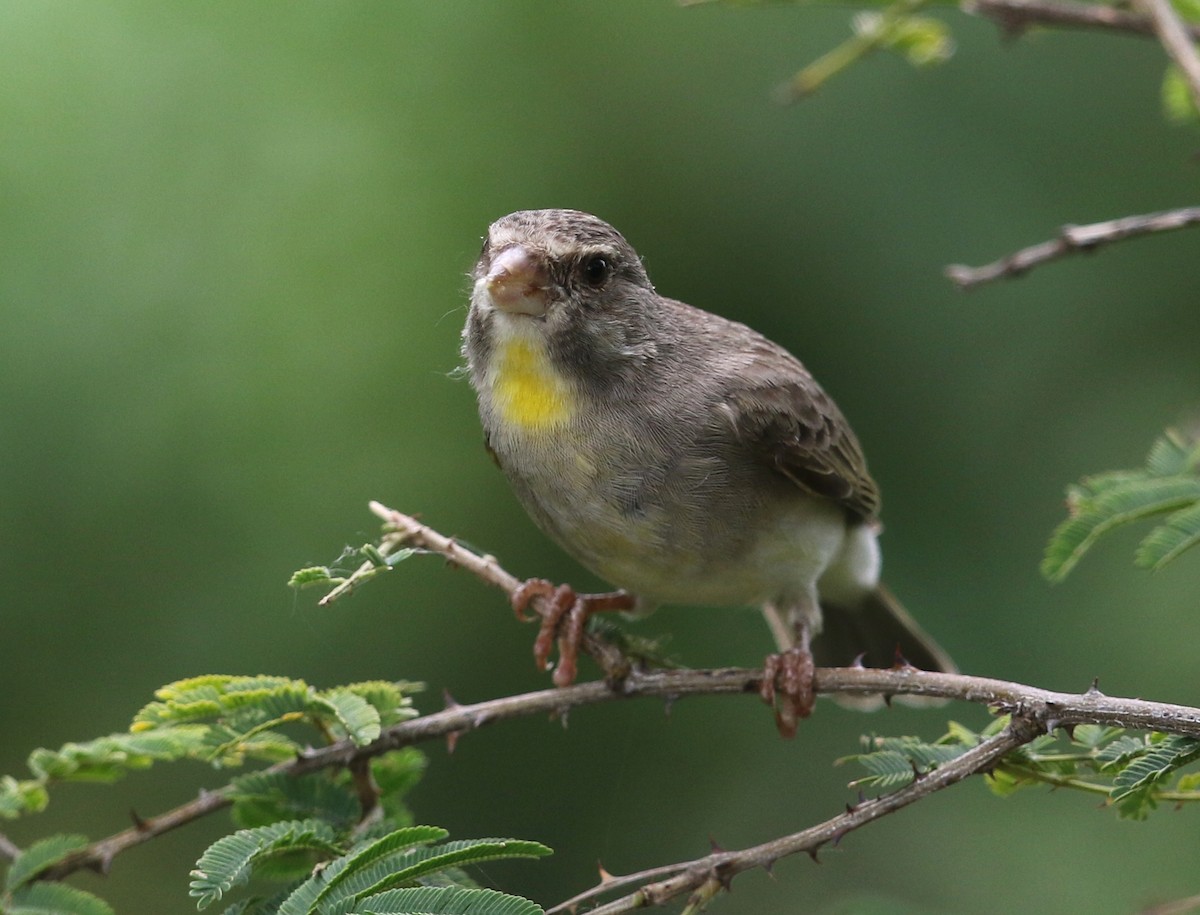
pixel 787 686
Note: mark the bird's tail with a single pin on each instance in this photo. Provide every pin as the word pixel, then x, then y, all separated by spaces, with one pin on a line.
pixel 879 630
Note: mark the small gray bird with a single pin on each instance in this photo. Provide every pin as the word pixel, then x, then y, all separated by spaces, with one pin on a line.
pixel 680 456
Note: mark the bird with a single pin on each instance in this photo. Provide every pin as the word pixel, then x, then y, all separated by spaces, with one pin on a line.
pixel 680 456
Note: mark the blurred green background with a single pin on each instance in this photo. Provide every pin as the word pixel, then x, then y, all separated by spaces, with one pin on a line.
pixel 232 279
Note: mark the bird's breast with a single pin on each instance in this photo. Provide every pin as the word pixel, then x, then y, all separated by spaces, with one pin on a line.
pixel 528 392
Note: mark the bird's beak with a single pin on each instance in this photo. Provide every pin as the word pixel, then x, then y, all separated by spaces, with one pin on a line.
pixel 518 282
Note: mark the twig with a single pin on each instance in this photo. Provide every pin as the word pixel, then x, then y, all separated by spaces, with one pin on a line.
pixel 714 872
pixel 1015 16
pixel 1072 240
pixel 1173 34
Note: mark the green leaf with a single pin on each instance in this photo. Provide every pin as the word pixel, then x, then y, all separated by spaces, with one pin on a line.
pixel 349 880
pixel 420 862
pixel 312 577
pixel 888 769
pixel 1172 454
pixel 1104 503
pixel 1160 760
pixel 1188 9
pixel 358 718
pixel 55 899
pixel 430 900
pixel 389 698
pixel 230 861
pixel 39 856
pixel 922 40
pixel 20 797
pixel 1094 736
pixel 261 798
pixel 1120 751
pixel 107 759
pixel 1179 532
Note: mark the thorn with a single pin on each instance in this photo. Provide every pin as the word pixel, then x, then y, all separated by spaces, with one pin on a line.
pixel 452 740
pixel 850 808
pixel 837 838
pixel 605 876
pixel 887 699
pixel 769 867
pixel 900 662
pixel 449 700
pixel 1094 689
pixel 812 853
pixel 858 661
pixel 668 704
pixel 715 845
pixel 138 823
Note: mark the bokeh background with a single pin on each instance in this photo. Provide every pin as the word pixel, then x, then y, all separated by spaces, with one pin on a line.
pixel 232 276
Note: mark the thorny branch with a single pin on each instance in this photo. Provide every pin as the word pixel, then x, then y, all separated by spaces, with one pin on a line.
pixel 1034 711
pixel 1073 240
pixel 706 876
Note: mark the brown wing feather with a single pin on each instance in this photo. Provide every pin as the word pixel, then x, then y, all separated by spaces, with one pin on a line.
pixel 780 412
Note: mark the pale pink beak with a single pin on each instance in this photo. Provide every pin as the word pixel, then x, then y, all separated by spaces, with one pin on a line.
pixel 518 282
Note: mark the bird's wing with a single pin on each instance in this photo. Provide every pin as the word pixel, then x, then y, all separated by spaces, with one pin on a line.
pixel 782 415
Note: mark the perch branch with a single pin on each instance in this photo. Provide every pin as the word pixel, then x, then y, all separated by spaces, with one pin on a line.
pixel 1072 240
pixel 1046 708
pixel 706 876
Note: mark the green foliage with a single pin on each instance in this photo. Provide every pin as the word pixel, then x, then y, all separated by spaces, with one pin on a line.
pixel 53 899
pixel 428 900
pixel 1177 102
pixel 39 856
pixel 220 720
pixel 229 861
pixel 340 839
pixel 358 876
pixel 1168 486
pixel 349 562
pixel 1133 772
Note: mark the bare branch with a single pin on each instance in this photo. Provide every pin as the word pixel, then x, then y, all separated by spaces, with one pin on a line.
pixel 714 872
pixel 1015 16
pixel 1173 33
pixel 1072 240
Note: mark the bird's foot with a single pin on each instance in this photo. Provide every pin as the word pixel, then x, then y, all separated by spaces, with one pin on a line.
pixel 787 686
pixel 564 619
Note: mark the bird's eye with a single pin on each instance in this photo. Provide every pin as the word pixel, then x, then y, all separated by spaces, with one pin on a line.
pixel 596 270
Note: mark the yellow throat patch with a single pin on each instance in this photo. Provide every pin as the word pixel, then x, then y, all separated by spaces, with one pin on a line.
pixel 528 390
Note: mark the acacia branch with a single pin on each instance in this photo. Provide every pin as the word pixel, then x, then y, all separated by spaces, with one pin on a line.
pixel 1044 708
pixel 1038 710
pixel 707 876
pixel 1073 240
pixel 1015 16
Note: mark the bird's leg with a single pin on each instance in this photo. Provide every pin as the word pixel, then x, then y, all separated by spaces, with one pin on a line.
pixel 788 675
pixel 565 620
